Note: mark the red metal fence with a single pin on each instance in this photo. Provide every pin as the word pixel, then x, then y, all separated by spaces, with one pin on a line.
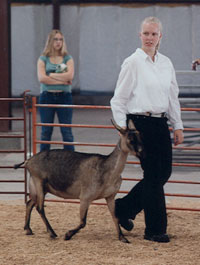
pixel 23 135
pixel 23 150
pixel 35 141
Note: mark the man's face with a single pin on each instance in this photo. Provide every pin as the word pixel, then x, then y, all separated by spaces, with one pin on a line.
pixel 150 36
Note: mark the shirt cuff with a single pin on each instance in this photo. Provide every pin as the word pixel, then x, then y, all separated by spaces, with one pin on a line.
pixel 178 126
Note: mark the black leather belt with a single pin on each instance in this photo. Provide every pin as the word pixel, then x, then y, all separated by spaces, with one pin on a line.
pixel 149 114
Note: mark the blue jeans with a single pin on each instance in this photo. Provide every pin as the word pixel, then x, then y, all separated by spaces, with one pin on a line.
pixel 64 116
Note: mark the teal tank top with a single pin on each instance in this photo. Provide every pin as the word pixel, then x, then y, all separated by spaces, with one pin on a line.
pixel 51 68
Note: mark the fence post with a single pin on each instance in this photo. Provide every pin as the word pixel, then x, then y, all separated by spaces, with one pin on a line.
pixel 34 120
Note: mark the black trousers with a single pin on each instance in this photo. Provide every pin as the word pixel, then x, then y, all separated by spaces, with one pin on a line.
pixel 148 194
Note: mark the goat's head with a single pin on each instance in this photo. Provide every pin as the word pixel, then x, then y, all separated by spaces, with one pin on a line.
pixel 130 139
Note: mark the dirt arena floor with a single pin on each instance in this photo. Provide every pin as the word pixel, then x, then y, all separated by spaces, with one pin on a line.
pixel 97 243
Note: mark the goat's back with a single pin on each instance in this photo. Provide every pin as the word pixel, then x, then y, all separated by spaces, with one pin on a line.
pixel 62 168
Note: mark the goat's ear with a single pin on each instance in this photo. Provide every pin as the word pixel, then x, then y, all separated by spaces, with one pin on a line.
pixel 131 125
pixel 120 129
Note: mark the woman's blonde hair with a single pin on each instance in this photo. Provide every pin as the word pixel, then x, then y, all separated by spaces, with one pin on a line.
pixel 153 20
pixel 48 49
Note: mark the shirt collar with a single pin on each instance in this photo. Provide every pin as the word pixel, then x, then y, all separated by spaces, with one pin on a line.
pixel 145 55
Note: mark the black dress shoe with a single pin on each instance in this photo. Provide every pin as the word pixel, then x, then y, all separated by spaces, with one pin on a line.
pixel 126 224
pixel 164 238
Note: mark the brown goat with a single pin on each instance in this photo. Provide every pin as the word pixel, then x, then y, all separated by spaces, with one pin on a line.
pixel 81 176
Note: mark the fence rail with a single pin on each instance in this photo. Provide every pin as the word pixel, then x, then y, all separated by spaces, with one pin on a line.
pixel 36 124
pixel 190 133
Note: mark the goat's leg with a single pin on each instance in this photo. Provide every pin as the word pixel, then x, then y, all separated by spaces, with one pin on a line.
pixel 29 207
pixel 40 208
pixel 111 206
pixel 46 222
pixel 84 205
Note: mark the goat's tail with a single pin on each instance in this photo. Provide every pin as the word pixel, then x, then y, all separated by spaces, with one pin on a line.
pixel 16 166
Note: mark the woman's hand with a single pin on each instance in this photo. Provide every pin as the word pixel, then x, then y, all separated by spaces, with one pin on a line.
pixel 43 77
pixel 195 63
pixel 66 76
pixel 178 137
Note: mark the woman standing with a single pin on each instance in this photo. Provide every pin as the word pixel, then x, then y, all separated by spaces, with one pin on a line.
pixel 147 93
pixel 55 69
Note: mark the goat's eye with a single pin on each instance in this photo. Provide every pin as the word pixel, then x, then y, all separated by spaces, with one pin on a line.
pixel 132 135
pixel 135 142
pixel 132 138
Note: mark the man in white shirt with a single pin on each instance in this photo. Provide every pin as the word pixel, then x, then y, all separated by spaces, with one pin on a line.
pixel 147 93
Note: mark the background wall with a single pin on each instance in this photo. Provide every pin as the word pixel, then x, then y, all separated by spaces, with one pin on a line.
pixel 100 37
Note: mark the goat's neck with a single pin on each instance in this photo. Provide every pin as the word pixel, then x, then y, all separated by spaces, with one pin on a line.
pixel 117 158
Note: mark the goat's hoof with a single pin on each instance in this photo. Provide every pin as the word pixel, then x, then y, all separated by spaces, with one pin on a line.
pixel 51 232
pixel 28 232
pixel 124 240
pixel 68 235
pixel 53 236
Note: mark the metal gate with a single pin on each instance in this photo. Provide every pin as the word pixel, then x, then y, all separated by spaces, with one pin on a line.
pixel 20 135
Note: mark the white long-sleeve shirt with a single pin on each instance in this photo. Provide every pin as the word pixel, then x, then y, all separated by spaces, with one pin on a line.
pixel 146 86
